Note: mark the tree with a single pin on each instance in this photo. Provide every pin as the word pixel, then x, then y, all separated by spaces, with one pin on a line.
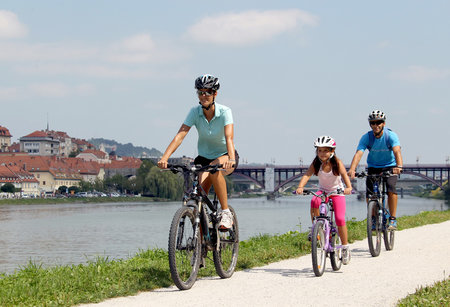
pixel 8 188
pixel 164 184
pixel 73 188
pixel 62 189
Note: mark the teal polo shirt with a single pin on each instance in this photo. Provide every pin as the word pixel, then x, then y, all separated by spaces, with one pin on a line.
pixel 211 135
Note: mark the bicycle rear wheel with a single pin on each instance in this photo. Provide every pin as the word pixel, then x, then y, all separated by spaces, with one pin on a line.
pixel 318 252
pixel 225 258
pixel 184 249
pixel 336 256
pixel 373 235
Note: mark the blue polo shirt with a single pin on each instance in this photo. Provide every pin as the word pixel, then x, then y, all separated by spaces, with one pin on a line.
pixel 211 135
pixel 380 155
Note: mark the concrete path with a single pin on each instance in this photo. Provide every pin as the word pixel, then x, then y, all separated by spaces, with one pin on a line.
pixel 420 257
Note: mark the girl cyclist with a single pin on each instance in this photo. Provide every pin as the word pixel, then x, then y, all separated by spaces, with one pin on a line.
pixel 330 171
pixel 214 123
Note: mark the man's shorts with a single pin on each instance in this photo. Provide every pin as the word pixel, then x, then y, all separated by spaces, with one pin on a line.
pixel 391 181
pixel 205 161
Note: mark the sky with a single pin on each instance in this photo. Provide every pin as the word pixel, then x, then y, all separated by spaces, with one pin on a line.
pixel 289 70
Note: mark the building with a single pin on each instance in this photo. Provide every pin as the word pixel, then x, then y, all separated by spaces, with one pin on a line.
pixel 40 143
pixel 21 179
pixel 5 139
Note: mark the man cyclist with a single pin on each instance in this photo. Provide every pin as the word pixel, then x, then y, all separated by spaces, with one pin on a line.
pixel 384 155
pixel 214 123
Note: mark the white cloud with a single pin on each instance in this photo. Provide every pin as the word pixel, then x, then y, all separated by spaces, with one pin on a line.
pixel 10 26
pixel 9 93
pixel 416 73
pixel 56 90
pixel 249 27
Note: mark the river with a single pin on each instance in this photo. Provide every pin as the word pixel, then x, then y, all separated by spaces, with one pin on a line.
pixel 75 233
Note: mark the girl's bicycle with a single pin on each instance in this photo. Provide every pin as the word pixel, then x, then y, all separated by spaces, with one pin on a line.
pixel 195 231
pixel 325 240
pixel 378 214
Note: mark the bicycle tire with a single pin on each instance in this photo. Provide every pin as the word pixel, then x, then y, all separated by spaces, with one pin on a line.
pixel 373 236
pixel 389 236
pixel 336 255
pixel 225 258
pixel 184 249
pixel 318 252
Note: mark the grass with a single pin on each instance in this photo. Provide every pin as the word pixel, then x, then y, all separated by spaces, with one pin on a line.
pixel 436 295
pixel 97 280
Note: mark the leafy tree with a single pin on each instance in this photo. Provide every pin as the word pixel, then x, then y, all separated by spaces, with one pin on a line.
pixel 74 188
pixel 62 189
pixel 164 184
pixel 8 188
pixel 74 153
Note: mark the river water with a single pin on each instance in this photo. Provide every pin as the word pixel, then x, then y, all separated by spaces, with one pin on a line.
pixel 75 233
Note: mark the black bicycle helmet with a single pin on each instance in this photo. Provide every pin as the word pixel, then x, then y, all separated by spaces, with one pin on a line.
pixel 208 82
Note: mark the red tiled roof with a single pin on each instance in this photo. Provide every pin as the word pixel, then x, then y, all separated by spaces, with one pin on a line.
pixel 5 132
pixel 36 134
pixel 126 162
pixel 98 153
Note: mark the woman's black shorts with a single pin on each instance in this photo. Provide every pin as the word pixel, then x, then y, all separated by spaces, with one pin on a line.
pixel 205 161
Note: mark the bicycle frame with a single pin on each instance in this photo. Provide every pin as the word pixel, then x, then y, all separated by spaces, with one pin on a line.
pixel 380 197
pixel 326 210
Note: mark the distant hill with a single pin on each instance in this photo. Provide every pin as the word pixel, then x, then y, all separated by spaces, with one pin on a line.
pixel 125 150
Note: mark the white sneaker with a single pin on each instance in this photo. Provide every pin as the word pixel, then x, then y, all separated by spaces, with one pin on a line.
pixel 227 220
pixel 346 255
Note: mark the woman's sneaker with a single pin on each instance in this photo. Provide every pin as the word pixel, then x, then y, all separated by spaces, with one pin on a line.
pixel 226 221
pixel 346 255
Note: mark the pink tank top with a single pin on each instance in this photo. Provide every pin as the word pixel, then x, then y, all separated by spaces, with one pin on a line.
pixel 329 182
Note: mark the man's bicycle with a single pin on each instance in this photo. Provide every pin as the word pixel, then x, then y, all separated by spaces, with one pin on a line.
pixel 325 240
pixel 378 214
pixel 195 231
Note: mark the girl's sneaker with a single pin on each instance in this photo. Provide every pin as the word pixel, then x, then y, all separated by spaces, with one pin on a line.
pixel 346 255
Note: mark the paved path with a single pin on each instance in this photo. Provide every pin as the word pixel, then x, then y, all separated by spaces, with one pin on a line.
pixel 420 257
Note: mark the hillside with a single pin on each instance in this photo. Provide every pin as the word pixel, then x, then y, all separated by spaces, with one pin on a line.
pixel 128 149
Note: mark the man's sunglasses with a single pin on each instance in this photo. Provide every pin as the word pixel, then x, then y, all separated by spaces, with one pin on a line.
pixel 205 93
pixel 377 123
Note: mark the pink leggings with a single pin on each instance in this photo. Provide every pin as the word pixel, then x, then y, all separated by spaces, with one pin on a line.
pixel 338 204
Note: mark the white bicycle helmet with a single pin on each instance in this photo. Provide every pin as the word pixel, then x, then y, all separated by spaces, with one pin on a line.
pixel 325 141
pixel 377 115
pixel 208 82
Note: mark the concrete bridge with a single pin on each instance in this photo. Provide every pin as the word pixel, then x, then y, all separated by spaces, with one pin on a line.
pixel 273 178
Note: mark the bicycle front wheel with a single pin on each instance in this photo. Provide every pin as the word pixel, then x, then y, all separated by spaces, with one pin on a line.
pixel 225 257
pixel 318 252
pixel 184 249
pixel 336 255
pixel 389 236
pixel 374 228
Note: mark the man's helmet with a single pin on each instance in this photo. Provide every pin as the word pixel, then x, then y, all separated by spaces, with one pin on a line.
pixel 377 115
pixel 208 82
pixel 325 141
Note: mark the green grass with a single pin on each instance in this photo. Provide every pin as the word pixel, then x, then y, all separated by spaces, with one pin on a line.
pixel 97 280
pixel 436 295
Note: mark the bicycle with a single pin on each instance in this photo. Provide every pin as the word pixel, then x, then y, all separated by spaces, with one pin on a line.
pixel 378 215
pixel 325 240
pixel 195 230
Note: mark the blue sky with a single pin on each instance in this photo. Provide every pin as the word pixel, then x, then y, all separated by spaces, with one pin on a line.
pixel 290 71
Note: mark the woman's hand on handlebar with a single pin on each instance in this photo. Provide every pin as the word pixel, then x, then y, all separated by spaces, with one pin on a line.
pixel 299 191
pixel 228 164
pixel 162 163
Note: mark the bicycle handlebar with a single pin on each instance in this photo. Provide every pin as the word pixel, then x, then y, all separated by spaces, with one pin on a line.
pixel 384 174
pixel 309 192
pixel 176 168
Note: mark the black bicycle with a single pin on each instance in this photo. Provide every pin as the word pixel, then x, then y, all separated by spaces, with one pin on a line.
pixel 195 231
pixel 378 214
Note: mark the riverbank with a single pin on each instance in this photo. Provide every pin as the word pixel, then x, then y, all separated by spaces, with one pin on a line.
pixel 148 270
pixel 71 200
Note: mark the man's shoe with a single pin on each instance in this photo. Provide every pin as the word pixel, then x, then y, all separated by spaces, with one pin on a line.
pixel 392 224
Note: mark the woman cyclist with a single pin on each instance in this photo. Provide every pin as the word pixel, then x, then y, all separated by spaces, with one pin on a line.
pixel 330 171
pixel 214 123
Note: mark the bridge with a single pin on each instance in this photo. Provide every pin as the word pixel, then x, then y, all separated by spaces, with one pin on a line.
pixel 273 178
